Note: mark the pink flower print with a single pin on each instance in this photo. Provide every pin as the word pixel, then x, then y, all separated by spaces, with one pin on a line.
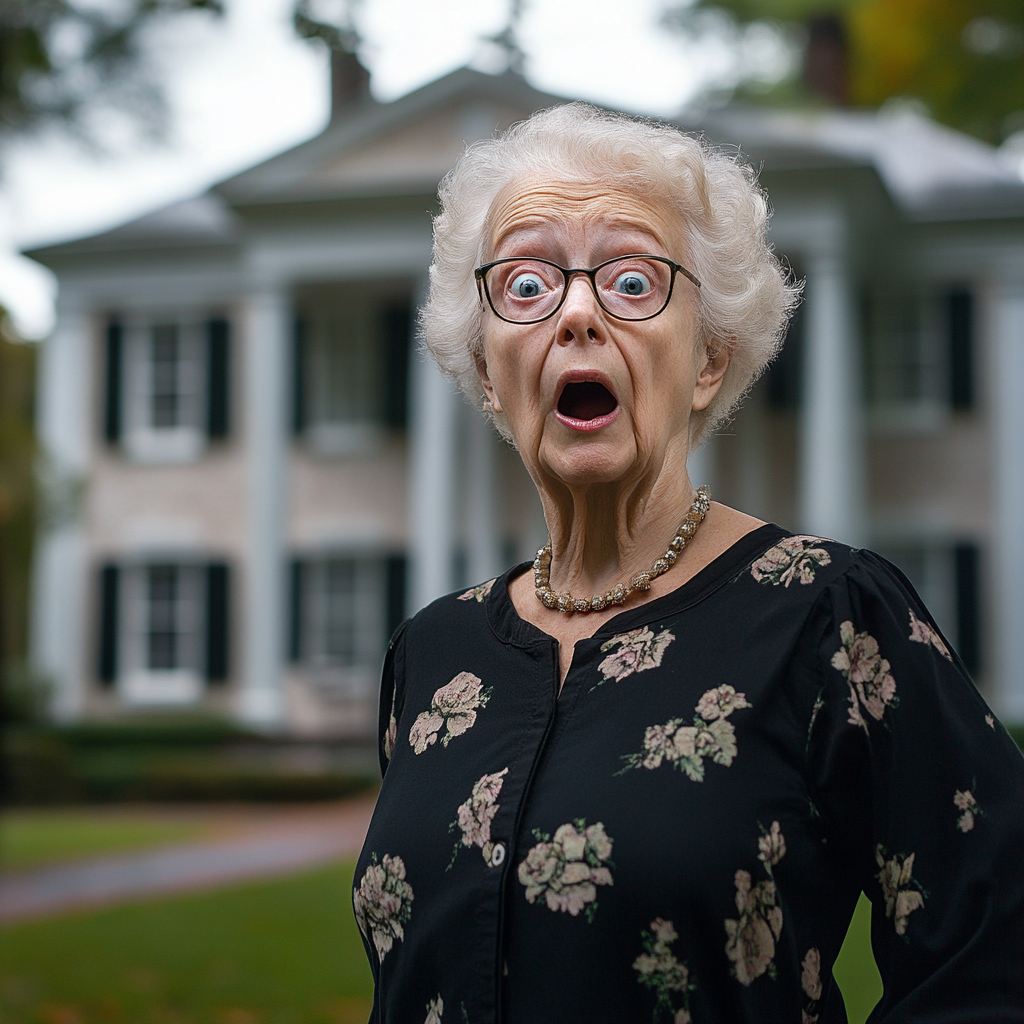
pixel 660 971
pixel 750 945
pixel 476 814
pixel 479 592
pixel 968 807
pixel 990 721
pixel 810 982
pixel 455 704
pixel 639 650
pixel 566 870
pixel 434 1010
pixel 383 903
pixel 867 673
pixel 924 634
pixel 792 559
pixel 686 746
pixel 896 881
pixel 771 847
pixel 720 702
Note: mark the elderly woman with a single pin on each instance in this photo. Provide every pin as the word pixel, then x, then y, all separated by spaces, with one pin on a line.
pixel 646 778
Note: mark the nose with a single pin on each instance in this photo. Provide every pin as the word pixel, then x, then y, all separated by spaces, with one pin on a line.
pixel 579 319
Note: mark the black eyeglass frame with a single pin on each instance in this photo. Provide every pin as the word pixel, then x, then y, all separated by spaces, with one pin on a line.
pixel 567 273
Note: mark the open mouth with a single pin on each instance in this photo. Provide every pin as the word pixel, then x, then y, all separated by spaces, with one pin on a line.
pixel 586 400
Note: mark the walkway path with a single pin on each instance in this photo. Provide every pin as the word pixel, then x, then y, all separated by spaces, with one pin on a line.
pixel 273 844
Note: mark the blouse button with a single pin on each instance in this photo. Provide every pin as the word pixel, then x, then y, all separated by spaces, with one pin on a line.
pixel 498 855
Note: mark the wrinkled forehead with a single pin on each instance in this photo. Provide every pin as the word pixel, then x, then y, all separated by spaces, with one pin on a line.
pixel 544 207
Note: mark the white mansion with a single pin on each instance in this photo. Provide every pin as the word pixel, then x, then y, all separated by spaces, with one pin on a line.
pixel 255 476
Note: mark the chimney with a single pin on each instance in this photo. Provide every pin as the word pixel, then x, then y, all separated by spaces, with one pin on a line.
pixel 350 81
pixel 825 61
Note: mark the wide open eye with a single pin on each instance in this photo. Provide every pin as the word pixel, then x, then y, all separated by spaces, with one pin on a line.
pixel 527 285
pixel 632 282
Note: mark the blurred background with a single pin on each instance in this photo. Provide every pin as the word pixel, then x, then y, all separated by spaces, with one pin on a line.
pixel 226 474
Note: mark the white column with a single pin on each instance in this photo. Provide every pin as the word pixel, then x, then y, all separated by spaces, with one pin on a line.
pixel 434 416
pixel 268 331
pixel 1007 559
pixel 484 546
pixel 832 495
pixel 60 573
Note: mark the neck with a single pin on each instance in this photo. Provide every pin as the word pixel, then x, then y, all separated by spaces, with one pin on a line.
pixel 602 534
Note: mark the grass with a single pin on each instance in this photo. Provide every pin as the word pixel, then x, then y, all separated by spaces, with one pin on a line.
pixel 33 838
pixel 278 952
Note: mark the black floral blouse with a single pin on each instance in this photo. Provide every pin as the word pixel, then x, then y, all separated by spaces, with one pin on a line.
pixel 682 833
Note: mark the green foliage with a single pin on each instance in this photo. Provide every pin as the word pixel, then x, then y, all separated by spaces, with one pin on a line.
pixel 963 59
pixel 279 952
pixel 59 56
pixel 855 970
pixel 32 838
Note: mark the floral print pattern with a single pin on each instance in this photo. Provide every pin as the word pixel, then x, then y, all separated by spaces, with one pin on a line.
pixel 686 746
pixel 391 736
pixel 383 903
pixel 924 634
pixel 793 558
pixel 810 982
pixel 902 894
pixel 968 807
pixel 479 592
pixel 455 705
pixel 990 722
pixel 751 938
pixel 639 650
pixel 872 686
pixel 434 1010
pixel 663 974
pixel 567 869
pixel 476 814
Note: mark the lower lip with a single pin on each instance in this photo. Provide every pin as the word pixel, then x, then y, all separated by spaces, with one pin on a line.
pixel 587 425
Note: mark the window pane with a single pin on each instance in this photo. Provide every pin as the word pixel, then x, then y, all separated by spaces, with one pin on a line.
pixel 165 370
pixel 163 627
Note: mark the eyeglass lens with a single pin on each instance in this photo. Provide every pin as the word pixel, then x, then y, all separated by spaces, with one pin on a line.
pixel 632 288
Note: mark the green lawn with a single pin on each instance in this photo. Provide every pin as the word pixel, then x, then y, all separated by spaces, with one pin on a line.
pixel 278 952
pixel 31 838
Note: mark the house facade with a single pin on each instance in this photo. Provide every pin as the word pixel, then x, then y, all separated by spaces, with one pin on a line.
pixel 253 475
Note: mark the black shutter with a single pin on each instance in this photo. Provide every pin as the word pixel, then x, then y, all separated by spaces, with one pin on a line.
pixel 960 310
pixel 113 358
pixel 218 335
pixel 299 377
pixel 782 378
pixel 968 615
pixel 108 625
pixel 295 612
pixel 396 332
pixel 395 591
pixel 217 622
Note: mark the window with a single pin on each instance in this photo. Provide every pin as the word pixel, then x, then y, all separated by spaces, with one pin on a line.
pixel 351 351
pixel 919 357
pixel 342 611
pixel 163 630
pixel 166 386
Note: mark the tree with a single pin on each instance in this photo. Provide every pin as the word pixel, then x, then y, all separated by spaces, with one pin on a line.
pixel 59 58
pixel 963 59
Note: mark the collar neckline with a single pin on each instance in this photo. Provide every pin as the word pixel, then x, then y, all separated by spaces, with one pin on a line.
pixel 511 628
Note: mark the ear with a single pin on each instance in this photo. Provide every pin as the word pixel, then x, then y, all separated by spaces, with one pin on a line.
pixel 485 380
pixel 709 380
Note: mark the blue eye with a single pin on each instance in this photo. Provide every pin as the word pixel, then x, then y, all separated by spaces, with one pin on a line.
pixel 632 282
pixel 527 286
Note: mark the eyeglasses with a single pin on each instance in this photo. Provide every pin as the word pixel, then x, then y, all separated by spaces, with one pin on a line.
pixel 524 290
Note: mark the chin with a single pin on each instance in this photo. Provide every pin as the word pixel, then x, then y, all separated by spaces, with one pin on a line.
pixel 589 460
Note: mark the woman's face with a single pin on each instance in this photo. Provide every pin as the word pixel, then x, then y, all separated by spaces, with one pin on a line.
pixel 588 398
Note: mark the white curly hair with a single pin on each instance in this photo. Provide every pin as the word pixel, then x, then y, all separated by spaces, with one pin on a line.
pixel 746 295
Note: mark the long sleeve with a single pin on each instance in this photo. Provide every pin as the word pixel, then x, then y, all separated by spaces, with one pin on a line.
pixel 924 790
pixel 389 708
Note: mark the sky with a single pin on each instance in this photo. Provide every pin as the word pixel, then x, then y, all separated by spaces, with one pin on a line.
pixel 243 88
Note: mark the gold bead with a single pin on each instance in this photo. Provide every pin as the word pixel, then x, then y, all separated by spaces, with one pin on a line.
pixel 581 604
pixel 565 603
pixel 598 603
pixel 642 580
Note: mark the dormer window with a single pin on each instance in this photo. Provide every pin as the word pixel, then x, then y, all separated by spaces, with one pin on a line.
pixel 166 386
